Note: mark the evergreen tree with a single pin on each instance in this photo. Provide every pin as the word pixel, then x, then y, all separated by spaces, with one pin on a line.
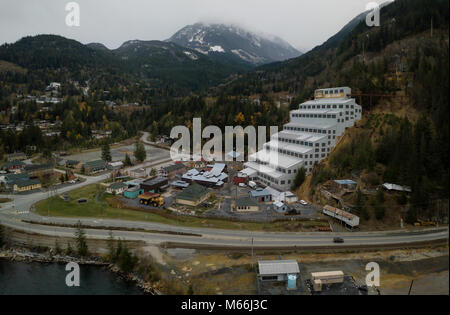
pixel 127 161
pixel 111 247
pixel 139 153
pixel 80 237
pixel 2 236
pixel 106 153
pixel 299 178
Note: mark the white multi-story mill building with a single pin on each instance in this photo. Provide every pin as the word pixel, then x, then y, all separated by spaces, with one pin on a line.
pixel 307 139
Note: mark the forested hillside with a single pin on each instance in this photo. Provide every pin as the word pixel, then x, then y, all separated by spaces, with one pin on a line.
pixel 400 71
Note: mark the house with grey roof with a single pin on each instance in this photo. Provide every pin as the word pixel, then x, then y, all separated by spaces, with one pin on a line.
pixel 94 166
pixel 261 195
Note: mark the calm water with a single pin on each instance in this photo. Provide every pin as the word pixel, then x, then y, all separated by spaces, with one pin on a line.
pixel 37 278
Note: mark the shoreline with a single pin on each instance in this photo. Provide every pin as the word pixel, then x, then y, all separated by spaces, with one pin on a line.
pixel 16 254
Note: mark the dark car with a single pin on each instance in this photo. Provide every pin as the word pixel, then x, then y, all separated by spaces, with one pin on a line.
pixel 338 240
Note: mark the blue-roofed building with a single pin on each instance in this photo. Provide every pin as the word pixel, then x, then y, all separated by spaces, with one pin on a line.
pixel 261 195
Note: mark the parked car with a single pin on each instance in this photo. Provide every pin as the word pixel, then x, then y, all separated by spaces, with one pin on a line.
pixel 338 240
pixel 241 185
pixel 303 202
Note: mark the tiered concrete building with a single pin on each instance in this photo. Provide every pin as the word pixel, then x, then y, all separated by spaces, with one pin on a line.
pixel 307 139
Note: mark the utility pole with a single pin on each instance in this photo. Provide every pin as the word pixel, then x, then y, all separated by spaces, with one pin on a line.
pixel 410 287
pixel 252 250
pixel 431 27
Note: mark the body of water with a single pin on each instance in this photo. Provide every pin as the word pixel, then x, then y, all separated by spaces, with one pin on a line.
pixel 39 278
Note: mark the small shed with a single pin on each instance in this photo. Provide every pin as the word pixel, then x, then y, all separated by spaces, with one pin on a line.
pixel 280 207
pixel 277 270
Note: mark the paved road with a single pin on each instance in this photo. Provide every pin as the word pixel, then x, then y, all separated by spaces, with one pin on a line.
pixel 12 214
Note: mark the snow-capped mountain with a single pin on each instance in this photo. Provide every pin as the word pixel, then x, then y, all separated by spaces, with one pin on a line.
pixel 232 42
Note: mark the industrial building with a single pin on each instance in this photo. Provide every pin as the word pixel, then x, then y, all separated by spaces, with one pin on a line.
pixel 214 176
pixel 261 195
pixel 279 270
pixel 307 139
pixel 193 195
pixel 133 192
pixel 245 204
pixel 173 170
pixel 155 185
pixel 345 217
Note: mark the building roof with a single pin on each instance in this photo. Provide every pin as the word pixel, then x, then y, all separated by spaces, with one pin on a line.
pixel 72 162
pixel 174 167
pixel 133 189
pixel 114 164
pixel 389 186
pixel 37 167
pixel 278 267
pixel 246 202
pixel 95 164
pixel 154 181
pixel 117 185
pixel 214 176
pixel 278 204
pixel 13 163
pixel 16 177
pixel 260 192
pixel 16 154
pixel 179 183
pixel 27 182
pixel 331 101
pixel 193 192
pixel 345 182
pixel 340 212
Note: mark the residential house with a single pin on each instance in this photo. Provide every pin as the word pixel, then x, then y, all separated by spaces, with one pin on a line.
pixel 94 166
pixel 13 166
pixel 116 188
pixel 36 170
pixel 17 156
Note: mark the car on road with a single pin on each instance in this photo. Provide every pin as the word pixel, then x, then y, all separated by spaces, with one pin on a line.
pixel 72 181
pixel 338 240
pixel 241 185
pixel 303 202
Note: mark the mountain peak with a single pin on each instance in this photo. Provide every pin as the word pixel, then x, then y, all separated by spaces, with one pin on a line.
pixel 233 42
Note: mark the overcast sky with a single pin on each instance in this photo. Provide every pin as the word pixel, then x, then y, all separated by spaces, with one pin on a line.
pixel 303 23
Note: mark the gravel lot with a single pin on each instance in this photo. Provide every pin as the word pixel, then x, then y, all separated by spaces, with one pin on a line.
pixel 118 154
